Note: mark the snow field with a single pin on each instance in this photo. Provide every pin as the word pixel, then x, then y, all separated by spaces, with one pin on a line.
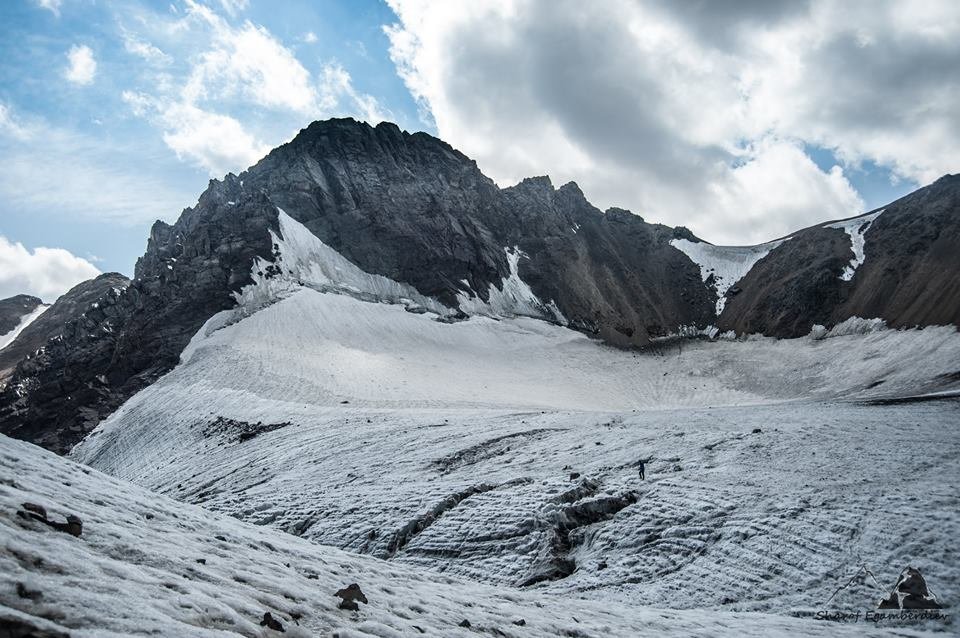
pixel 727 264
pixel 456 448
pixel 147 564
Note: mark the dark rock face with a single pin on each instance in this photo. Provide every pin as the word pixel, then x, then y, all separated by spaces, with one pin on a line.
pixel 910 277
pixel 349 597
pixel 106 355
pixel 32 511
pixel 912 272
pixel 50 325
pixel 270 622
pixel 411 208
pixel 794 287
pixel 399 205
pixel 13 309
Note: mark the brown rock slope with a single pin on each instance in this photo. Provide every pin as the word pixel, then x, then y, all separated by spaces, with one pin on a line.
pixel 910 275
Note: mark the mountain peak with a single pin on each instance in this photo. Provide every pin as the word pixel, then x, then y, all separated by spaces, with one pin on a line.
pixel 537 182
pixel 409 212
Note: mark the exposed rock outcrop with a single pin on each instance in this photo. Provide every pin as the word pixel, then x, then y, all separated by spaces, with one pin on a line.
pixel 50 325
pixel 910 592
pixel 131 338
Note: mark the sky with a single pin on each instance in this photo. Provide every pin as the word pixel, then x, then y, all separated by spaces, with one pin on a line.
pixel 740 119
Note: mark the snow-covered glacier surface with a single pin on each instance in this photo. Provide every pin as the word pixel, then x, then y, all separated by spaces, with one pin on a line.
pixel 506 452
pixel 146 564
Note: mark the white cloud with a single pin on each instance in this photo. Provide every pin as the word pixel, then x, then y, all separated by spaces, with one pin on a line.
pixel 235 68
pixel 691 113
pixel 43 272
pixel 82 66
pixel 216 142
pixel 145 50
pixel 310 37
pixel 336 84
pixel 779 189
pixel 248 61
pixel 10 126
pixel 233 7
pixel 50 5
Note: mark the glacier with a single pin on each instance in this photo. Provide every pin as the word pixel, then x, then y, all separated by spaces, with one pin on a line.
pixel 331 430
pixel 149 564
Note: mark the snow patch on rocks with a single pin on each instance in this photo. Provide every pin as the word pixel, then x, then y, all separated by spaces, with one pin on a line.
pixel 856 228
pixel 514 298
pixel 302 260
pixel 25 321
pixel 851 326
pixel 727 264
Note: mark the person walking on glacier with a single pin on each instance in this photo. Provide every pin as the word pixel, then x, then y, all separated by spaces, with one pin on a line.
pixel 642 465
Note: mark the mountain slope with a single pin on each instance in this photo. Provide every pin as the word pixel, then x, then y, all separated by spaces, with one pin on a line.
pixel 411 208
pixel 14 309
pixel 900 263
pixel 420 216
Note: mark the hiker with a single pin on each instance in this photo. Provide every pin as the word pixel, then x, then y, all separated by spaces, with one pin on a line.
pixel 643 466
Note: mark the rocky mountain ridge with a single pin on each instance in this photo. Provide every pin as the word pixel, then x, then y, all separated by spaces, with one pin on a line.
pixel 50 325
pixel 411 208
pixel 909 275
